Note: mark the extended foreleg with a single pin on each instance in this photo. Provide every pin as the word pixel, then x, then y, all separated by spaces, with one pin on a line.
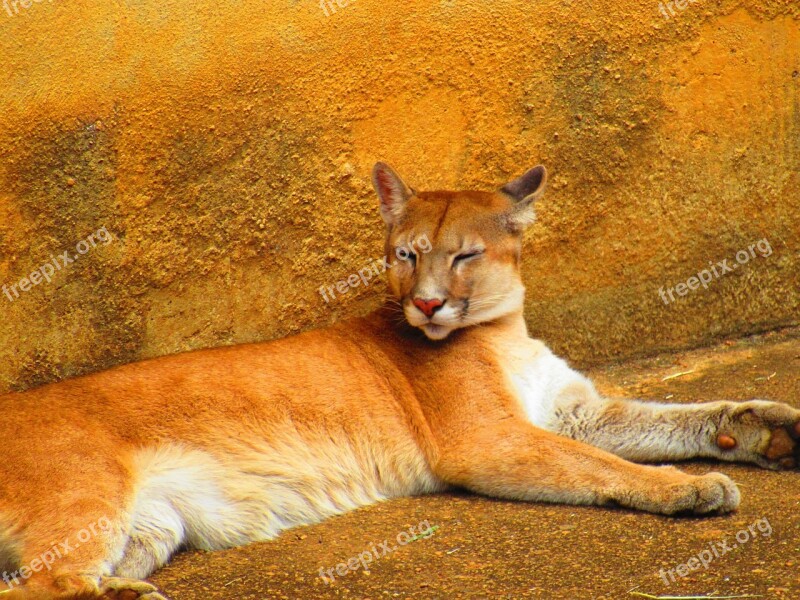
pixel 756 431
pixel 514 459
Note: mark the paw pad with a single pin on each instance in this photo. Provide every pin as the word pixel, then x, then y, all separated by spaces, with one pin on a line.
pixel 726 442
pixel 781 445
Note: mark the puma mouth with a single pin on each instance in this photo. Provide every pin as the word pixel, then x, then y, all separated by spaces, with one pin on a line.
pixel 435 332
pixel 436 327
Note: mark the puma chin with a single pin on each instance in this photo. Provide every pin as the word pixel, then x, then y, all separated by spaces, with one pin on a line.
pixel 467 271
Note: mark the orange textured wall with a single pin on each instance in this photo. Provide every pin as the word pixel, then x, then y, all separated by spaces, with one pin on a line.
pixel 227 149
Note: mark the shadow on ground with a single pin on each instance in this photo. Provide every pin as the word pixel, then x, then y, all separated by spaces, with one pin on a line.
pixel 493 549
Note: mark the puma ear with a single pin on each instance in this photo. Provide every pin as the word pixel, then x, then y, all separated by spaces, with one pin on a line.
pixel 393 193
pixel 525 191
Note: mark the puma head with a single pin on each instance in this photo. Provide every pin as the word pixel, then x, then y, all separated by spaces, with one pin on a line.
pixel 469 272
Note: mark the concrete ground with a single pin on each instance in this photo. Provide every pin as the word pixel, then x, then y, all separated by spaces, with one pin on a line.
pixel 482 548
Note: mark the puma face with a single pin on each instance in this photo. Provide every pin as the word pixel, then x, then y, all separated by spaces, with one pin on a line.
pixel 458 252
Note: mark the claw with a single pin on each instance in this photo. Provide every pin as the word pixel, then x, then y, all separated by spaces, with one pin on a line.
pixel 116 588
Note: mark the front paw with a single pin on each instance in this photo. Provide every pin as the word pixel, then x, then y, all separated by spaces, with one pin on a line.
pixel 669 491
pixel 765 433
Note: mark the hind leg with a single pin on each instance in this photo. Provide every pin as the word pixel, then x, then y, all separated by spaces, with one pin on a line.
pixel 66 529
pixel 78 587
pixel 78 560
pixel 154 537
pixel 84 565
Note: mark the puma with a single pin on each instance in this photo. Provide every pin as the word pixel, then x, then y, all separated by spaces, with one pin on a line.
pixel 440 387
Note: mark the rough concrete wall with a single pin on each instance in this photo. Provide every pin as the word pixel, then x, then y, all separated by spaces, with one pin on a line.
pixel 227 147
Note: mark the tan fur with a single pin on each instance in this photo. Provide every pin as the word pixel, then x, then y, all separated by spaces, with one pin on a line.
pixel 221 447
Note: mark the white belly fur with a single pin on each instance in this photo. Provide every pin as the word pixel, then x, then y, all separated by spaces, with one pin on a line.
pixel 252 493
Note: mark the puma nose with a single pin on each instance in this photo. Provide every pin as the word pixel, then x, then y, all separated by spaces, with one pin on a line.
pixel 428 307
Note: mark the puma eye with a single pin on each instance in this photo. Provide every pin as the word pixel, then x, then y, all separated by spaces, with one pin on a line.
pixel 407 256
pixel 465 256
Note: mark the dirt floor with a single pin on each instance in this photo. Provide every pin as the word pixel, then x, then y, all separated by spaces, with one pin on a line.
pixel 481 548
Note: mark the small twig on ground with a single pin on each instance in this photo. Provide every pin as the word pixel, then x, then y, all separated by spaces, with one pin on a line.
pixel 424 534
pixel 674 375
pixel 712 597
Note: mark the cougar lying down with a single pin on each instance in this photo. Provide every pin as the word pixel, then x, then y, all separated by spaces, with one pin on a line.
pixel 218 448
